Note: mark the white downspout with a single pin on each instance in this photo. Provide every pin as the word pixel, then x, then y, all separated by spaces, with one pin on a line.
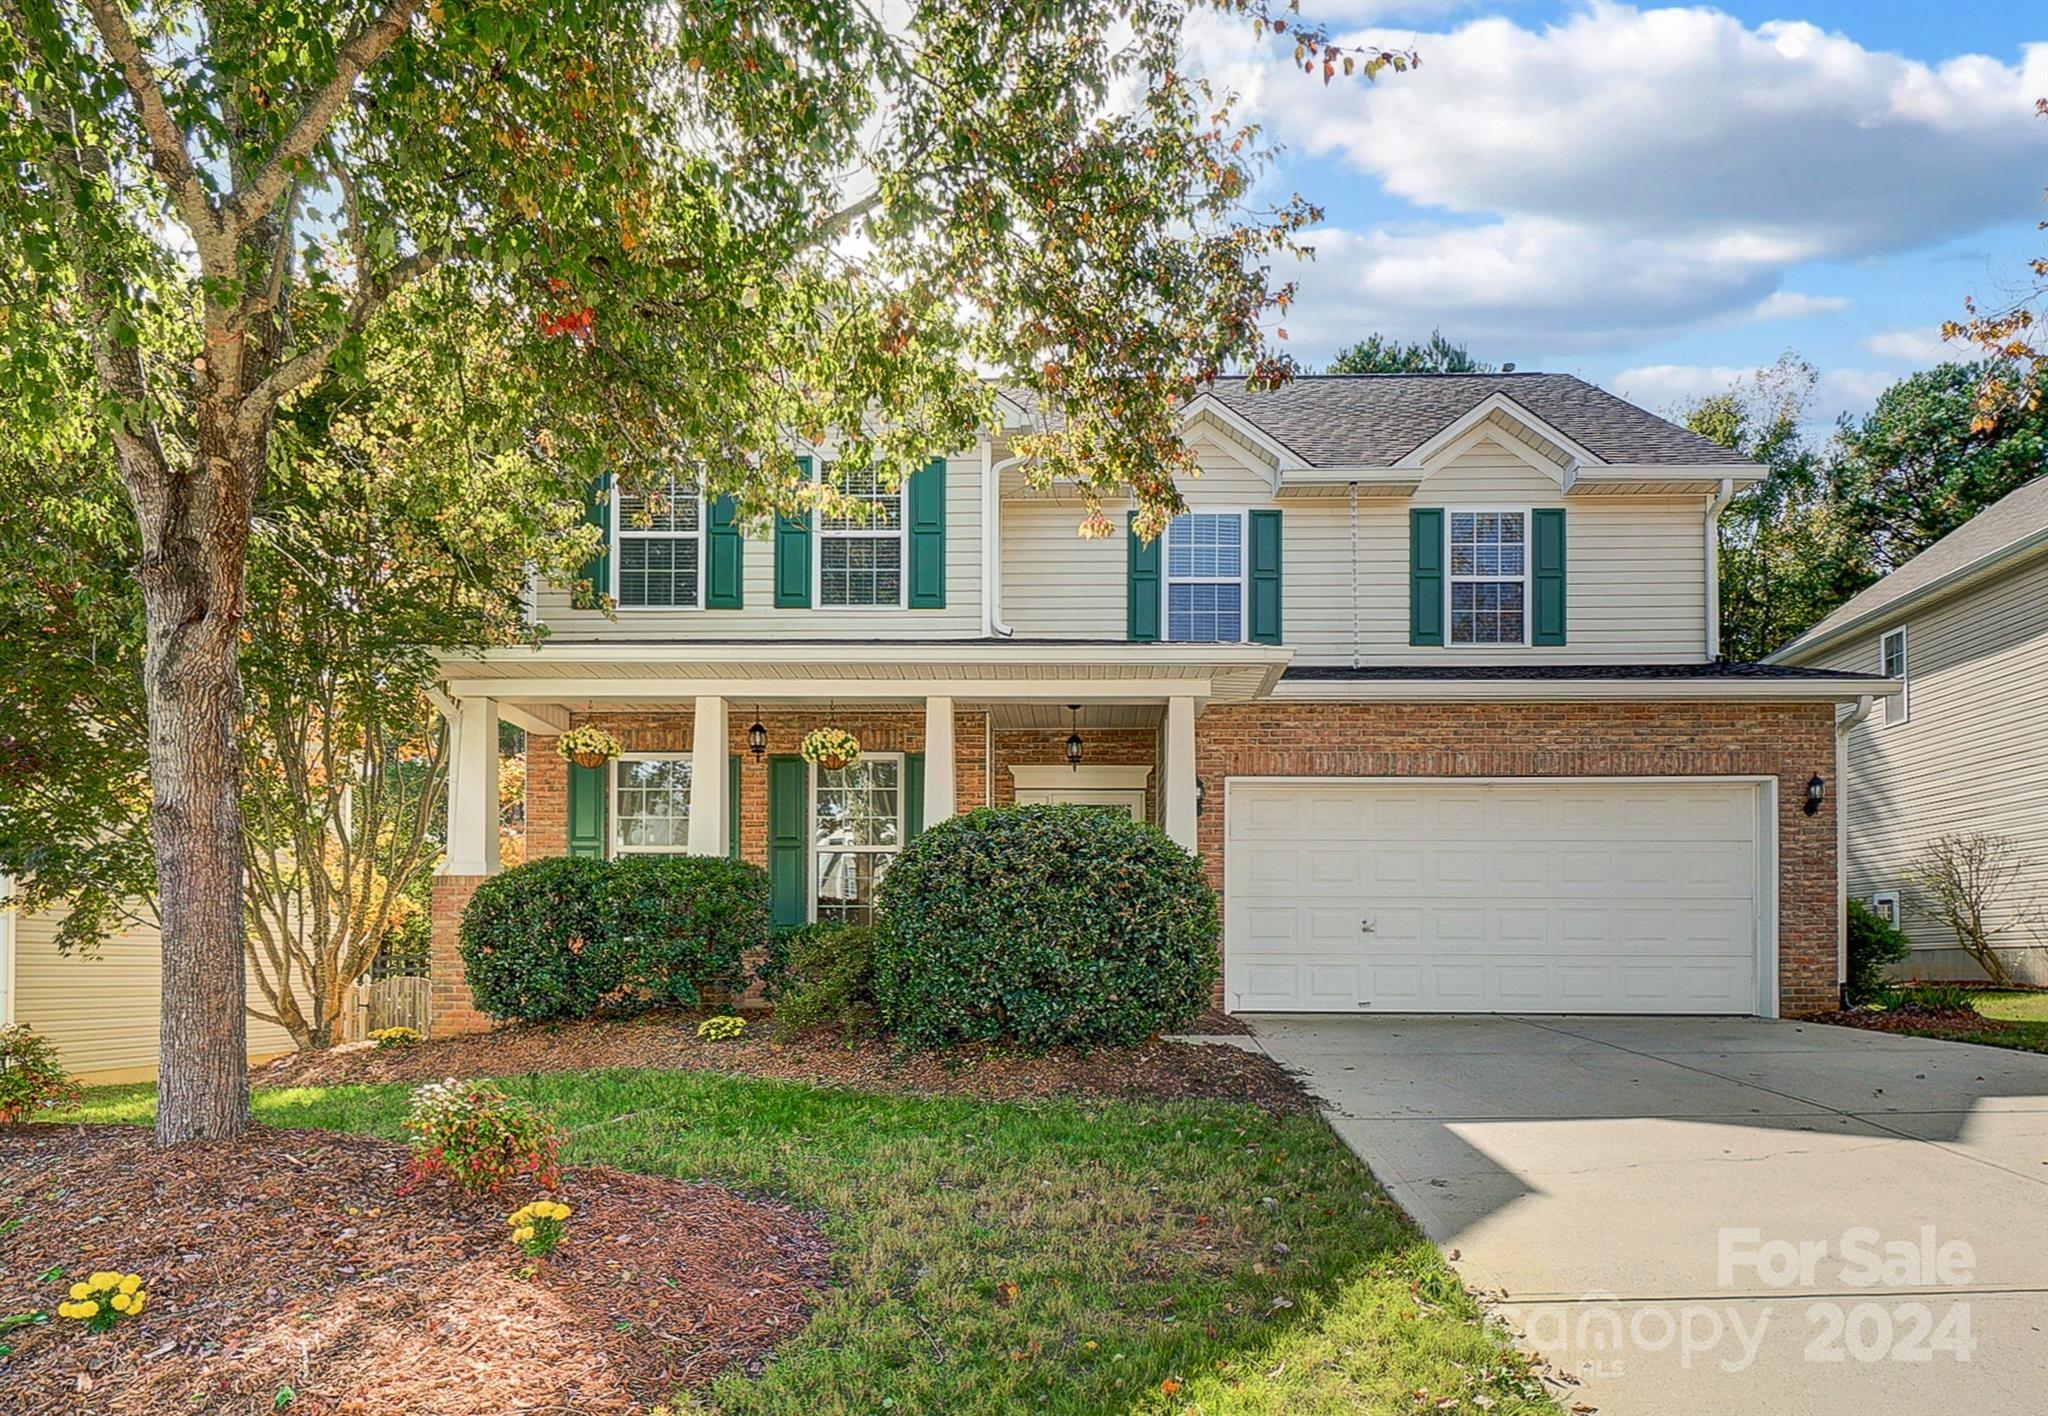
pixel 7 950
pixel 1716 504
pixel 992 544
pixel 1844 725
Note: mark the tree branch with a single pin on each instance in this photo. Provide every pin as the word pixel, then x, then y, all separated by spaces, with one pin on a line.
pixel 365 48
pixel 308 363
pixel 168 154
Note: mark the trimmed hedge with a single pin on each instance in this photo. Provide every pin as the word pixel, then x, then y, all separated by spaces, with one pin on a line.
pixel 565 937
pixel 1038 925
pixel 1874 945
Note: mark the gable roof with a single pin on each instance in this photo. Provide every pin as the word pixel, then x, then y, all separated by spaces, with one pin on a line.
pixel 1374 420
pixel 2010 527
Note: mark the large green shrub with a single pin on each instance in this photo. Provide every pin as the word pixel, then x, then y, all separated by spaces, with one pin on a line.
pixel 563 937
pixel 680 923
pixel 1037 925
pixel 533 944
pixel 1874 945
pixel 823 975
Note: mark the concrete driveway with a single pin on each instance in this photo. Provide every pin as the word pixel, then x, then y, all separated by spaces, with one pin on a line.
pixel 1718 1215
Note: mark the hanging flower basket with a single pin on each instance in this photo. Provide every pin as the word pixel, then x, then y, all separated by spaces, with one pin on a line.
pixel 587 746
pixel 830 748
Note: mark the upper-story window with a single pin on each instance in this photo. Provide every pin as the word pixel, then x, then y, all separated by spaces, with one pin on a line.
pixel 1893 650
pixel 1205 578
pixel 661 547
pixel 650 803
pixel 1489 577
pixel 860 557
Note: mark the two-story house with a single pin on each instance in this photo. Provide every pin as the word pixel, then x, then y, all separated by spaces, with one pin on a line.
pixel 1427 673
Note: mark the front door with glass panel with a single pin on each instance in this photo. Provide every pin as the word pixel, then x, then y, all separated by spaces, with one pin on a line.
pixel 856 831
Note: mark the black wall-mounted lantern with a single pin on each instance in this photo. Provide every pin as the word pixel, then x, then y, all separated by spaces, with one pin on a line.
pixel 1201 795
pixel 1074 737
pixel 757 735
pixel 1816 793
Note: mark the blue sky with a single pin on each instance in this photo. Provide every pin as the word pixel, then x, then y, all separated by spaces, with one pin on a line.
pixel 1661 198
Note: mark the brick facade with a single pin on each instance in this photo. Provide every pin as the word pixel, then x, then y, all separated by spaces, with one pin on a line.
pixel 1102 747
pixel 454 1011
pixel 1789 741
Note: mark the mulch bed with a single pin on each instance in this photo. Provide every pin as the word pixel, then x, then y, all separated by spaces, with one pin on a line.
pixel 1913 1021
pixel 286 1259
pixel 1157 1070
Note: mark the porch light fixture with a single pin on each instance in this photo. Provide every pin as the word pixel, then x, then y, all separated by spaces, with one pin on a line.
pixel 1074 737
pixel 1201 795
pixel 1816 793
pixel 757 735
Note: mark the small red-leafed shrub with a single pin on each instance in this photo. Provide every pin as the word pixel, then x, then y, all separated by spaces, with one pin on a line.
pixel 479 1139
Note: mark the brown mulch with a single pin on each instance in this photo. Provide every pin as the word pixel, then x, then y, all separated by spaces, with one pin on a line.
pixel 1156 1070
pixel 1914 1020
pixel 287 1259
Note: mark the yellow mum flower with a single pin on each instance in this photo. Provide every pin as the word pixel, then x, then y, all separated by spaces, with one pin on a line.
pixel 120 1302
pixel 522 1234
pixel 80 1290
pixel 88 1309
pixel 105 1280
pixel 132 1282
pixel 135 1303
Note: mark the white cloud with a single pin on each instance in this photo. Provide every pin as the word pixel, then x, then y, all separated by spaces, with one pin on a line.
pixel 1668 387
pixel 1791 305
pixel 1623 170
pixel 1920 346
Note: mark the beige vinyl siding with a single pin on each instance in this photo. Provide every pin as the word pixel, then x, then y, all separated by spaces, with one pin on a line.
pixel 102 1012
pixel 961 617
pixel 1970 756
pixel 1636 581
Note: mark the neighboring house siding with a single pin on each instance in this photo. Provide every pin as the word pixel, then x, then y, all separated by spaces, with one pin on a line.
pixel 1968 758
pixel 102 1012
pixel 759 617
pixel 1636 584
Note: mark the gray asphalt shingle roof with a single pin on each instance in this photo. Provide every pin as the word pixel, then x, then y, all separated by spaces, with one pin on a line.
pixel 2013 521
pixel 1373 420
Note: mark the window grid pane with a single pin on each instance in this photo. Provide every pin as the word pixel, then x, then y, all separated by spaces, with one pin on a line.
pixel 1205 578
pixel 860 570
pixel 652 806
pixel 1489 559
pixel 659 546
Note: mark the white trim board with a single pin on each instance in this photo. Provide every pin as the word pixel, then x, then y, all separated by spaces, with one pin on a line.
pixel 1043 777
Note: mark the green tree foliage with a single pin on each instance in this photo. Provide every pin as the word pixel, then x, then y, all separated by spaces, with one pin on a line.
pixel 1787 553
pixel 1924 462
pixel 649 209
pixel 1377 354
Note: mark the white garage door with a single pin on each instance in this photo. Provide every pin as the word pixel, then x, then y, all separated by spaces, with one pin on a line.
pixel 1584 896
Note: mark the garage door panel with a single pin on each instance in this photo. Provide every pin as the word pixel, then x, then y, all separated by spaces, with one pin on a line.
pixel 1632 897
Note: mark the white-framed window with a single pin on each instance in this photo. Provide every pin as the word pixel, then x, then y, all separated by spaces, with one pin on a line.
pixel 1885 905
pixel 861 557
pixel 650 803
pixel 1891 651
pixel 1204 579
pixel 856 830
pixel 658 561
pixel 1488 584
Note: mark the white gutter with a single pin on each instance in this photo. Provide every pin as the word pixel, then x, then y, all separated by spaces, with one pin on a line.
pixel 1534 690
pixel 992 626
pixel 1716 504
pixel 1844 725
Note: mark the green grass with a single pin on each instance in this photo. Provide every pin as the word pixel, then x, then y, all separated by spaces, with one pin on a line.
pixel 2024 1013
pixel 1144 1240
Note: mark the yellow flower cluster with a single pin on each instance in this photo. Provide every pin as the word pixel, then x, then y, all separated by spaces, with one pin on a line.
pixel 541 1219
pixel 723 1028
pixel 105 1298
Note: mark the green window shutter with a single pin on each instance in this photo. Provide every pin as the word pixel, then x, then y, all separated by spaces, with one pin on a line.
pixel 793 555
pixel 586 811
pixel 1426 575
pixel 927 517
pixel 724 555
pixel 732 806
pixel 913 795
pixel 597 511
pixel 1547 577
pixel 1262 626
pixel 1141 582
pixel 789 811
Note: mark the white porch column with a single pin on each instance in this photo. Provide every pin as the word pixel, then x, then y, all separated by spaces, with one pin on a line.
pixel 1180 771
pixel 938 760
pixel 708 804
pixel 472 788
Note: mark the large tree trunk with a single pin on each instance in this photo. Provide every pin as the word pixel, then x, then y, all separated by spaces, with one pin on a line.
pixel 193 556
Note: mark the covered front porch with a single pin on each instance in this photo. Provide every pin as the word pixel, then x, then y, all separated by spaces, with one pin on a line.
pixel 710 761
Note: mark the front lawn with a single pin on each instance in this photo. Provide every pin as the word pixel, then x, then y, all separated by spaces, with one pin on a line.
pixel 1059 1256
pixel 2013 1018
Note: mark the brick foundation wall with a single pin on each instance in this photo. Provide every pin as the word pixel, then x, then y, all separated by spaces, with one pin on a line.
pixel 1791 742
pixel 454 1011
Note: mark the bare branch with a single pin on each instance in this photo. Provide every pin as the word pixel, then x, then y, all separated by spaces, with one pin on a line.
pixel 168 153
pixel 365 48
